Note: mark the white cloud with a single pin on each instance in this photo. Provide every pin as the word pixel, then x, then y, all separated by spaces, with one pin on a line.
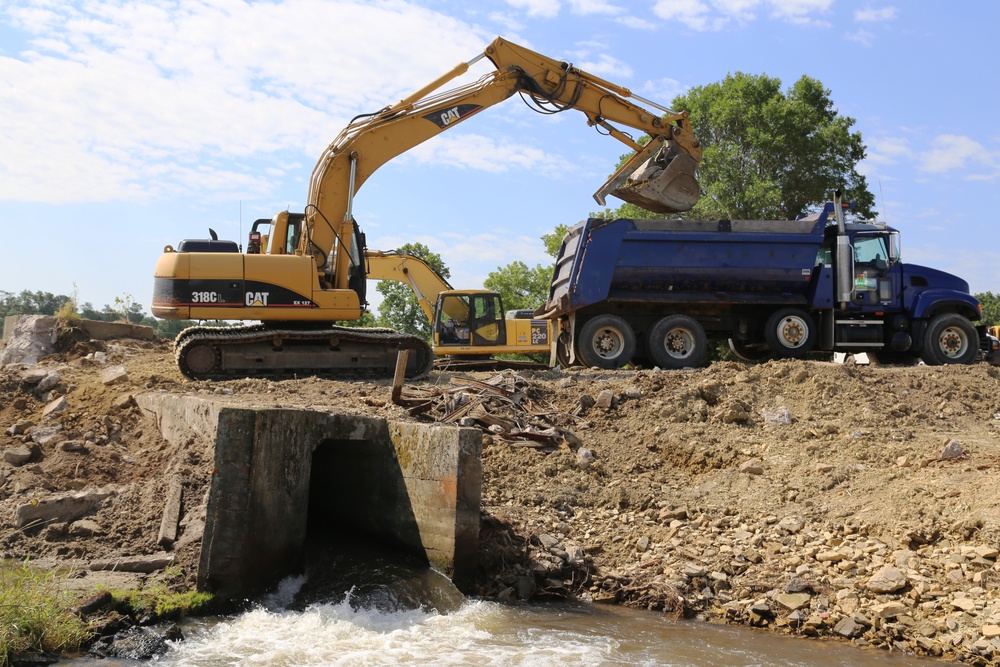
pixel 862 37
pixel 800 11
pixel 887 150
pixel 636 23
pixel 544 8
pixel 951 152
pixel 606 66
pixel 874 15
pixel 707 15
pixel 663 91
pixel 473 151
pixel 588 7
pixel 119 100
pixel 692 13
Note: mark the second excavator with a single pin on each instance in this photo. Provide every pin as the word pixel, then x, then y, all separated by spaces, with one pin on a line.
pixel 304 272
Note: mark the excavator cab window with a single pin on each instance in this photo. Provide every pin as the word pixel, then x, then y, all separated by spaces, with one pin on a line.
pixel 453 320
pixel 292 236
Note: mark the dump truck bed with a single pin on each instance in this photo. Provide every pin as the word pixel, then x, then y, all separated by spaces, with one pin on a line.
pixel 728 261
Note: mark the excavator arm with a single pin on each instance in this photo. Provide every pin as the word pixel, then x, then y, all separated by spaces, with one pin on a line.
pixel 659 177
pixel 420 276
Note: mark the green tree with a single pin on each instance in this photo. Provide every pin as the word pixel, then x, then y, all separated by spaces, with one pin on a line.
pixel 991 307
pixel 553 240
pixel 400 309
pixel 520 286
pixel 769 154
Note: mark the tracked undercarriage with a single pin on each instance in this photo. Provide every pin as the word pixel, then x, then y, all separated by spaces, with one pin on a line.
pixel 219 353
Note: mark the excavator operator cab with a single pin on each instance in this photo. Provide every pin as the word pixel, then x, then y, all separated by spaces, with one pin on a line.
pixel 469 319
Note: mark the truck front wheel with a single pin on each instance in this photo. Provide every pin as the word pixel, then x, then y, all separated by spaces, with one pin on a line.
pixel 790 333
pixel 678 341
pixel 607 341
pixel 950 339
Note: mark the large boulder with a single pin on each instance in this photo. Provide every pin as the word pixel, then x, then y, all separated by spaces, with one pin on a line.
pixel 33 337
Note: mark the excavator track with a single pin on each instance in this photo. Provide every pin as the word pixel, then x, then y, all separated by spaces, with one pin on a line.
pixel 342 353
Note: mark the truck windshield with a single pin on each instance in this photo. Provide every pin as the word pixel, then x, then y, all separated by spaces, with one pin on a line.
pixel 871 250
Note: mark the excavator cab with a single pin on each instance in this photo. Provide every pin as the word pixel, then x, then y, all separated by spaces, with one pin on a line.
pixel 469 318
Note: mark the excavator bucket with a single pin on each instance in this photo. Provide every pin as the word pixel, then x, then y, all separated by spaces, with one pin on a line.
pixel 661 180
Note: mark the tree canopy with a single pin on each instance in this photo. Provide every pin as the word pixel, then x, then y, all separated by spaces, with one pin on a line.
pixel 768 154
pixel 400 309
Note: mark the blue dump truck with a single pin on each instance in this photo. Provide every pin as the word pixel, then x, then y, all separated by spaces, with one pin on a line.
pixel 654 292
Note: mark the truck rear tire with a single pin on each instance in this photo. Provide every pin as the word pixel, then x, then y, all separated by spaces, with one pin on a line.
pixel 790 333
pixel 607 341
pixel 678 341
pixel 950 339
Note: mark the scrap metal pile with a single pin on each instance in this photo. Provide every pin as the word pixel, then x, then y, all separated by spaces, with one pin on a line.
pixel 506 406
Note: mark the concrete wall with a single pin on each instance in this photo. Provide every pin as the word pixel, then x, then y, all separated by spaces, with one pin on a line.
pixel 280 473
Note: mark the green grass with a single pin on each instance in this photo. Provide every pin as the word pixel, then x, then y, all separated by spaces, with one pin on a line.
pixel 162 602
pixel 35 615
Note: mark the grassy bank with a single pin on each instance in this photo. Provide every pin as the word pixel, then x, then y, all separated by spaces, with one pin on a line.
pixel 35 615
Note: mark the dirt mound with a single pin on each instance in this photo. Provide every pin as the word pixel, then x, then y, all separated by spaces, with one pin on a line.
pixel 704 491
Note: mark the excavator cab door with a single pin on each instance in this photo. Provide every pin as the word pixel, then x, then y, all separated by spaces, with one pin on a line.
pixel 486 320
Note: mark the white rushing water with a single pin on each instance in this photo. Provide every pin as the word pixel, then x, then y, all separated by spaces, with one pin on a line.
pixel 367 610
pixel 491 634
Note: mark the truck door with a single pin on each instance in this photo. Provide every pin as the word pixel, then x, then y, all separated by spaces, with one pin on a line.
pixel 876 286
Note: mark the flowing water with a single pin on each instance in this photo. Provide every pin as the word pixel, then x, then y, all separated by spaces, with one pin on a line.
pixel 369 609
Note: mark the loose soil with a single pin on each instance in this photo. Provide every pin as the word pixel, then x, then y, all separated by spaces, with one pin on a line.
pixel 778 495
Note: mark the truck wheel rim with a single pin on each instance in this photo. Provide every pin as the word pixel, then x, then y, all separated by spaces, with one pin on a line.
pixel 793 331
pixel 609 343
pixel 679 343
pixel 953 343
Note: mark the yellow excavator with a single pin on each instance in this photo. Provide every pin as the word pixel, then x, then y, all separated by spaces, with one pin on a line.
pixel 305 271
pixel 469 326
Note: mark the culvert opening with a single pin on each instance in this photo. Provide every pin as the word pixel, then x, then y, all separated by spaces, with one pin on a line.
pixel 362 543
pixel 357 494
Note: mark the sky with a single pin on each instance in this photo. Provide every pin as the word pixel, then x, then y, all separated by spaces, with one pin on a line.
pixel 128 125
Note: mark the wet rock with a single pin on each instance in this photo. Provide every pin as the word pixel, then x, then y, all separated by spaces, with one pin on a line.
pixel 135 643
pixel 96 603
pixel 847 627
